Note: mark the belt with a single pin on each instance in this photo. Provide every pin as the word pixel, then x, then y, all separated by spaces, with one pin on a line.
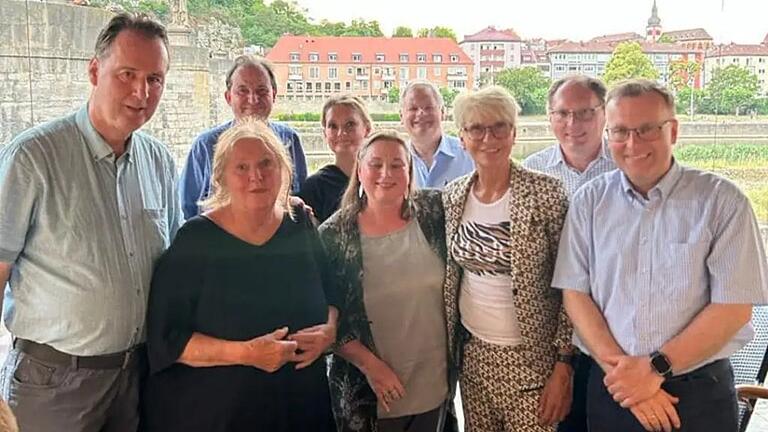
pixel 49 354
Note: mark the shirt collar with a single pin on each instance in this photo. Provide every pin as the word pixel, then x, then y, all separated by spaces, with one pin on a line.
pixel 444 147
pixel 556 157
pixel 663 188
pixel 96 143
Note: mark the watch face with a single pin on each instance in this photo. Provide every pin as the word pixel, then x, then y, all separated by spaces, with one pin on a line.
pixel 660 363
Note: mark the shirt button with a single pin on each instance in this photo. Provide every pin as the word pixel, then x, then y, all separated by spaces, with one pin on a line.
pixel 130 253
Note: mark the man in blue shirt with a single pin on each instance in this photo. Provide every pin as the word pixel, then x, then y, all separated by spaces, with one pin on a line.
pixel 89 204
pixel 437 158
pixel 251 92
pixel 660 265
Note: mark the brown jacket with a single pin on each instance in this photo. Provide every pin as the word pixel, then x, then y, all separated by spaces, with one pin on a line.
pixel 537 210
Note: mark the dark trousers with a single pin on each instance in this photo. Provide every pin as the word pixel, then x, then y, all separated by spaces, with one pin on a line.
pixel 576 420
pixel 707 401
pixel 424 422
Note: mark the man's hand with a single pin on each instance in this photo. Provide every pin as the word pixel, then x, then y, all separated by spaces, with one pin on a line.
pixel 270 351
pixel 631 379
pixel 313 341
pixel 556 398
pixel 657 413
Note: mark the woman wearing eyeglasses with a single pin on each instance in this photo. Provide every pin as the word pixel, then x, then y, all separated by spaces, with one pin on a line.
pixel 507 330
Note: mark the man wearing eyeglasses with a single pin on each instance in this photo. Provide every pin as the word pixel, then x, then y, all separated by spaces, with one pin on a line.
pixel 577 118
pixel 437 158
pixel 251 92
pixel 660 265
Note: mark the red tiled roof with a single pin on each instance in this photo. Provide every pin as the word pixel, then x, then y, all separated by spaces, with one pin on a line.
pixel 618 37
pixel 490 34
pixel 608 47
pixel 688 35
pixel 765 41
pixel 367 47
pixel 737 50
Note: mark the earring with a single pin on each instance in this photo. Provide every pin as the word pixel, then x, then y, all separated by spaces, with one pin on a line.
pixel 360 191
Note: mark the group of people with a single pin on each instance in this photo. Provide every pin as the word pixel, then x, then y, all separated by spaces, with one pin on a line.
pixel 598 286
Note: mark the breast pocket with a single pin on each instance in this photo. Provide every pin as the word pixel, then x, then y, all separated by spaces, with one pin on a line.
pixel 684 267
pixel 156 226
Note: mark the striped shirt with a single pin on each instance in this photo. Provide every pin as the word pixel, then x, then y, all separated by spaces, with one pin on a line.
pixel 651 265
pixel 550 161
pixel 82 230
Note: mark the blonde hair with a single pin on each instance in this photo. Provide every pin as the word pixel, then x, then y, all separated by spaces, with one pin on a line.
pixel 247 128
pixel 353 102
pixel 493 101
pixel 353 201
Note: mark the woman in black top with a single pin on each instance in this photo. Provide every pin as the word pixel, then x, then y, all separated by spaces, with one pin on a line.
pixel 346 123
pixel 239 308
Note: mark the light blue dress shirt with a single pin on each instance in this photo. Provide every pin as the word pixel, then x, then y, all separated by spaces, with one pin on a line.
pixel 651 265
pixel 83 230
pixel 450 162
pixel 551 161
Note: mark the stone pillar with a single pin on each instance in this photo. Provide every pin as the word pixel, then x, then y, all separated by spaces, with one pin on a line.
pixel 178 29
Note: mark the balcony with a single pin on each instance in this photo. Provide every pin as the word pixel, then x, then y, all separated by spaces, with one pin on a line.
pixel 492 52
pixel 295 77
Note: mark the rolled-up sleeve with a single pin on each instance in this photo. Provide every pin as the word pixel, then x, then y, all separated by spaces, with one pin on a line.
pixel 195 178
pixel 572 266
pixel 19 195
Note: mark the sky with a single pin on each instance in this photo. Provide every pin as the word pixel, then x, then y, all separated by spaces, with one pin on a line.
pixel 738 21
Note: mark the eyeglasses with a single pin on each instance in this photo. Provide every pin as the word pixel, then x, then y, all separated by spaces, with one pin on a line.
pixel 499 130
pixel 645 132
pixel 582 115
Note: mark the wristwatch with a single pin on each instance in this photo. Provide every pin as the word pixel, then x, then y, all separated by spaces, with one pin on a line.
pixel 660 363
pixel 565 358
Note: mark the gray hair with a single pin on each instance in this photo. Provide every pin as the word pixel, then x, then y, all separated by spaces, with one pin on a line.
pixel 594 85
pixel 640 87
pixel 492 100
pixel 423 85
pixel 140 23
pixel 247 60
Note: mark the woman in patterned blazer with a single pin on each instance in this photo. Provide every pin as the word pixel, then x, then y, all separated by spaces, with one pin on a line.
pixel 507 331
pixel 386 246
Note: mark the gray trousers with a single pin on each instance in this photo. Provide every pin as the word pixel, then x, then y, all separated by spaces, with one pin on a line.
pixel 49 397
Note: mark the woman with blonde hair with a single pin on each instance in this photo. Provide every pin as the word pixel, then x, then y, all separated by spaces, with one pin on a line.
pixel 386 246
pixel 345 123
pixel 506 325
pixel 241 308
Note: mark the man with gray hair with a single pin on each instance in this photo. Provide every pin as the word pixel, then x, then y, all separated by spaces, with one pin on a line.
pixel 577 118
pixel 89 204
pixel 251 92
pixel 437 158
pixel 660 265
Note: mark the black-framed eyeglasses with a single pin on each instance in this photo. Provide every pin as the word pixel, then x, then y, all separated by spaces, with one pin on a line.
pixel 498 130
pixel 582 115
pixel 646 132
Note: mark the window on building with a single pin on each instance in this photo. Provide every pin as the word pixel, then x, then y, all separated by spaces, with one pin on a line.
pixel 294 56
pixel 314 57
pixel 437 58
pixel 333 73
pixel 337 86
pixel 357 57
pixel 403 58
pixel 364 85
pixel 314 72
pixel 454 58
pixel 294 70
pixel 403 73
pixel 421 72
pixel 309 87
pixel 380 58
pixel 376 85
pixel 421 58
pixel 300 87
pixel 318 87
pixel 332 57
pixel 328 87
pixel 348 85
pixel 361 72
pixel 289 87
pixel 437 72
pixel 350 70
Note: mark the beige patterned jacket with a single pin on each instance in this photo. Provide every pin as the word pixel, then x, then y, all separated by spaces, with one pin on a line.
pixel 537 210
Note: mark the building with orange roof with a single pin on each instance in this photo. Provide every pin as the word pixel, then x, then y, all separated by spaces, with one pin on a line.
pixel 492 51
pixel 754 58
pixel 314 67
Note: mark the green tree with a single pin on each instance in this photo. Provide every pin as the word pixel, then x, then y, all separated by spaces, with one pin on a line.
pixel 733 90
pixel 683 101
pixel 528 86
pixel 682 73
pixel 402 31
pixel 628 61
pixel 665 38
pixel 449 95
pixel 437 32
pixel 393 95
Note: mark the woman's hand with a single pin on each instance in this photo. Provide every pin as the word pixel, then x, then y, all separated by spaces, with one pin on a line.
pixel 313 342
pixel 384 382
pixel 556 398
pixel 270 351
